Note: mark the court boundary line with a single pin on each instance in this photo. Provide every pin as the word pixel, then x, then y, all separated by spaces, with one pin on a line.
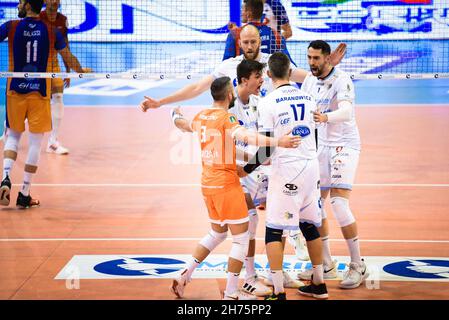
pixel 169 185
pixel 198 239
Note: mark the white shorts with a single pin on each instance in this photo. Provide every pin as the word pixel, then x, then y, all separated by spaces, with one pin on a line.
pixel 338 166
pixel 293 195
pixel 256 185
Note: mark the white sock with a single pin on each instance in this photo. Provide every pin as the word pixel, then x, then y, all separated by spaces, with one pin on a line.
pixel 354 250
pixel 27 177
pixel 277 276
pixel 249 266
pixel 318 276
pixel 191 266
pixel 7 167
pixel 232 283
pixel 327 258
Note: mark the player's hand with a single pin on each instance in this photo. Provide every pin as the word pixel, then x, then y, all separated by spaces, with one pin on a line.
pixel 240 172
pixel 338 54
pixel 289 141
pixel 66 82
pixel 87 70
pixel 149 103
pixel 319 117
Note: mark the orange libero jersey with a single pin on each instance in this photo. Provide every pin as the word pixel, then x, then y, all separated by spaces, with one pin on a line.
pixel 215 128
pixel 60 24
pixel 32 45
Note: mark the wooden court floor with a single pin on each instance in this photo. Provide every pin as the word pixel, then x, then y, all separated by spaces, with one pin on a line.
pixel 130 186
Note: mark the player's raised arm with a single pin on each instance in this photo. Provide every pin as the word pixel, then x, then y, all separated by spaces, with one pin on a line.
pixel 188 92
pixel 179 121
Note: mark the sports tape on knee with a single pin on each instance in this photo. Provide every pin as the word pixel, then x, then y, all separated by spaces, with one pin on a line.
pixel 342 212
pixel 213 239
pixel 240 243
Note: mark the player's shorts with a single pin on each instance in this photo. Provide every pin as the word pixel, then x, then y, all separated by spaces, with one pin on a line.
pixel 28 106
pixel 338 166
pixel 57 84
pixel 293 195
pixel 256 185
pixel 228 207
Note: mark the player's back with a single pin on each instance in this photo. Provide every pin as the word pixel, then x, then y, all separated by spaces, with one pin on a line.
pixel 31 45
pixel 289 109
pixel 214 127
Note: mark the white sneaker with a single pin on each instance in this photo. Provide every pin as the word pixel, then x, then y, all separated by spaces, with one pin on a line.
pixel 330 272
pixel 56 148
pixel 255 287
pixel 288 281
pixel 299 243
pixel 179 284
pixel 238 295
pixel 354 276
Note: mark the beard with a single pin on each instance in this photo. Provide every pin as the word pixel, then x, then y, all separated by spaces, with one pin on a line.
pixel 252 55
pixel 232 102
pixel 22 13
pixel 317 71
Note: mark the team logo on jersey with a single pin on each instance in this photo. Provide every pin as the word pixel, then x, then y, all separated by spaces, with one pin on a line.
pixel 285 121
pixel 140 266
pixel 423 269
pixel 301 131
pixel 288 215
pixel 241 122
pixel 232 119
pixel 290 189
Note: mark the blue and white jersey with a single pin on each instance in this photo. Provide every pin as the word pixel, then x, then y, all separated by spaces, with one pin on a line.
pixel 328 92
pixel 289 108
pixel 247 117
pixel 32 45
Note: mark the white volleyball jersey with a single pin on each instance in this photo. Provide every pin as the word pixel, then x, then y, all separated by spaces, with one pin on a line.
pixel 228 68
pixel 247 117
pixel 336 87
pixel 289 108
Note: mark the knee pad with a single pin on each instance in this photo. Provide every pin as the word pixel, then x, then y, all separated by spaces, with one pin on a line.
pixel 12 140
pixel 273 235
pixel 34 148
pixel 309 231
pixel 213 239
pixel 252 226
pixel 342 212
pixel 322 211
pixel 57 106
pixel 240 244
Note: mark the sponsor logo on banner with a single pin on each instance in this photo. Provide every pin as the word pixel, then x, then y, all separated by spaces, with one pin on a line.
pixel 422 269
pixel 167 266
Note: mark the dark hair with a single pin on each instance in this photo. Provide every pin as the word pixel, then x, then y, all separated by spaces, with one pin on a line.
pixel 255 7
pixel 36 5
pixel 219 88
pixel 279 65
pixel 247 67
pixel 320 44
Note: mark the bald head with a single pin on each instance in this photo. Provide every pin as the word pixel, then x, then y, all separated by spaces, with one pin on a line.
pixel 250 41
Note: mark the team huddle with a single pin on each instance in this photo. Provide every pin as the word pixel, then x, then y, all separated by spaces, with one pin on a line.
pixel 303 171
pixel 263 140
